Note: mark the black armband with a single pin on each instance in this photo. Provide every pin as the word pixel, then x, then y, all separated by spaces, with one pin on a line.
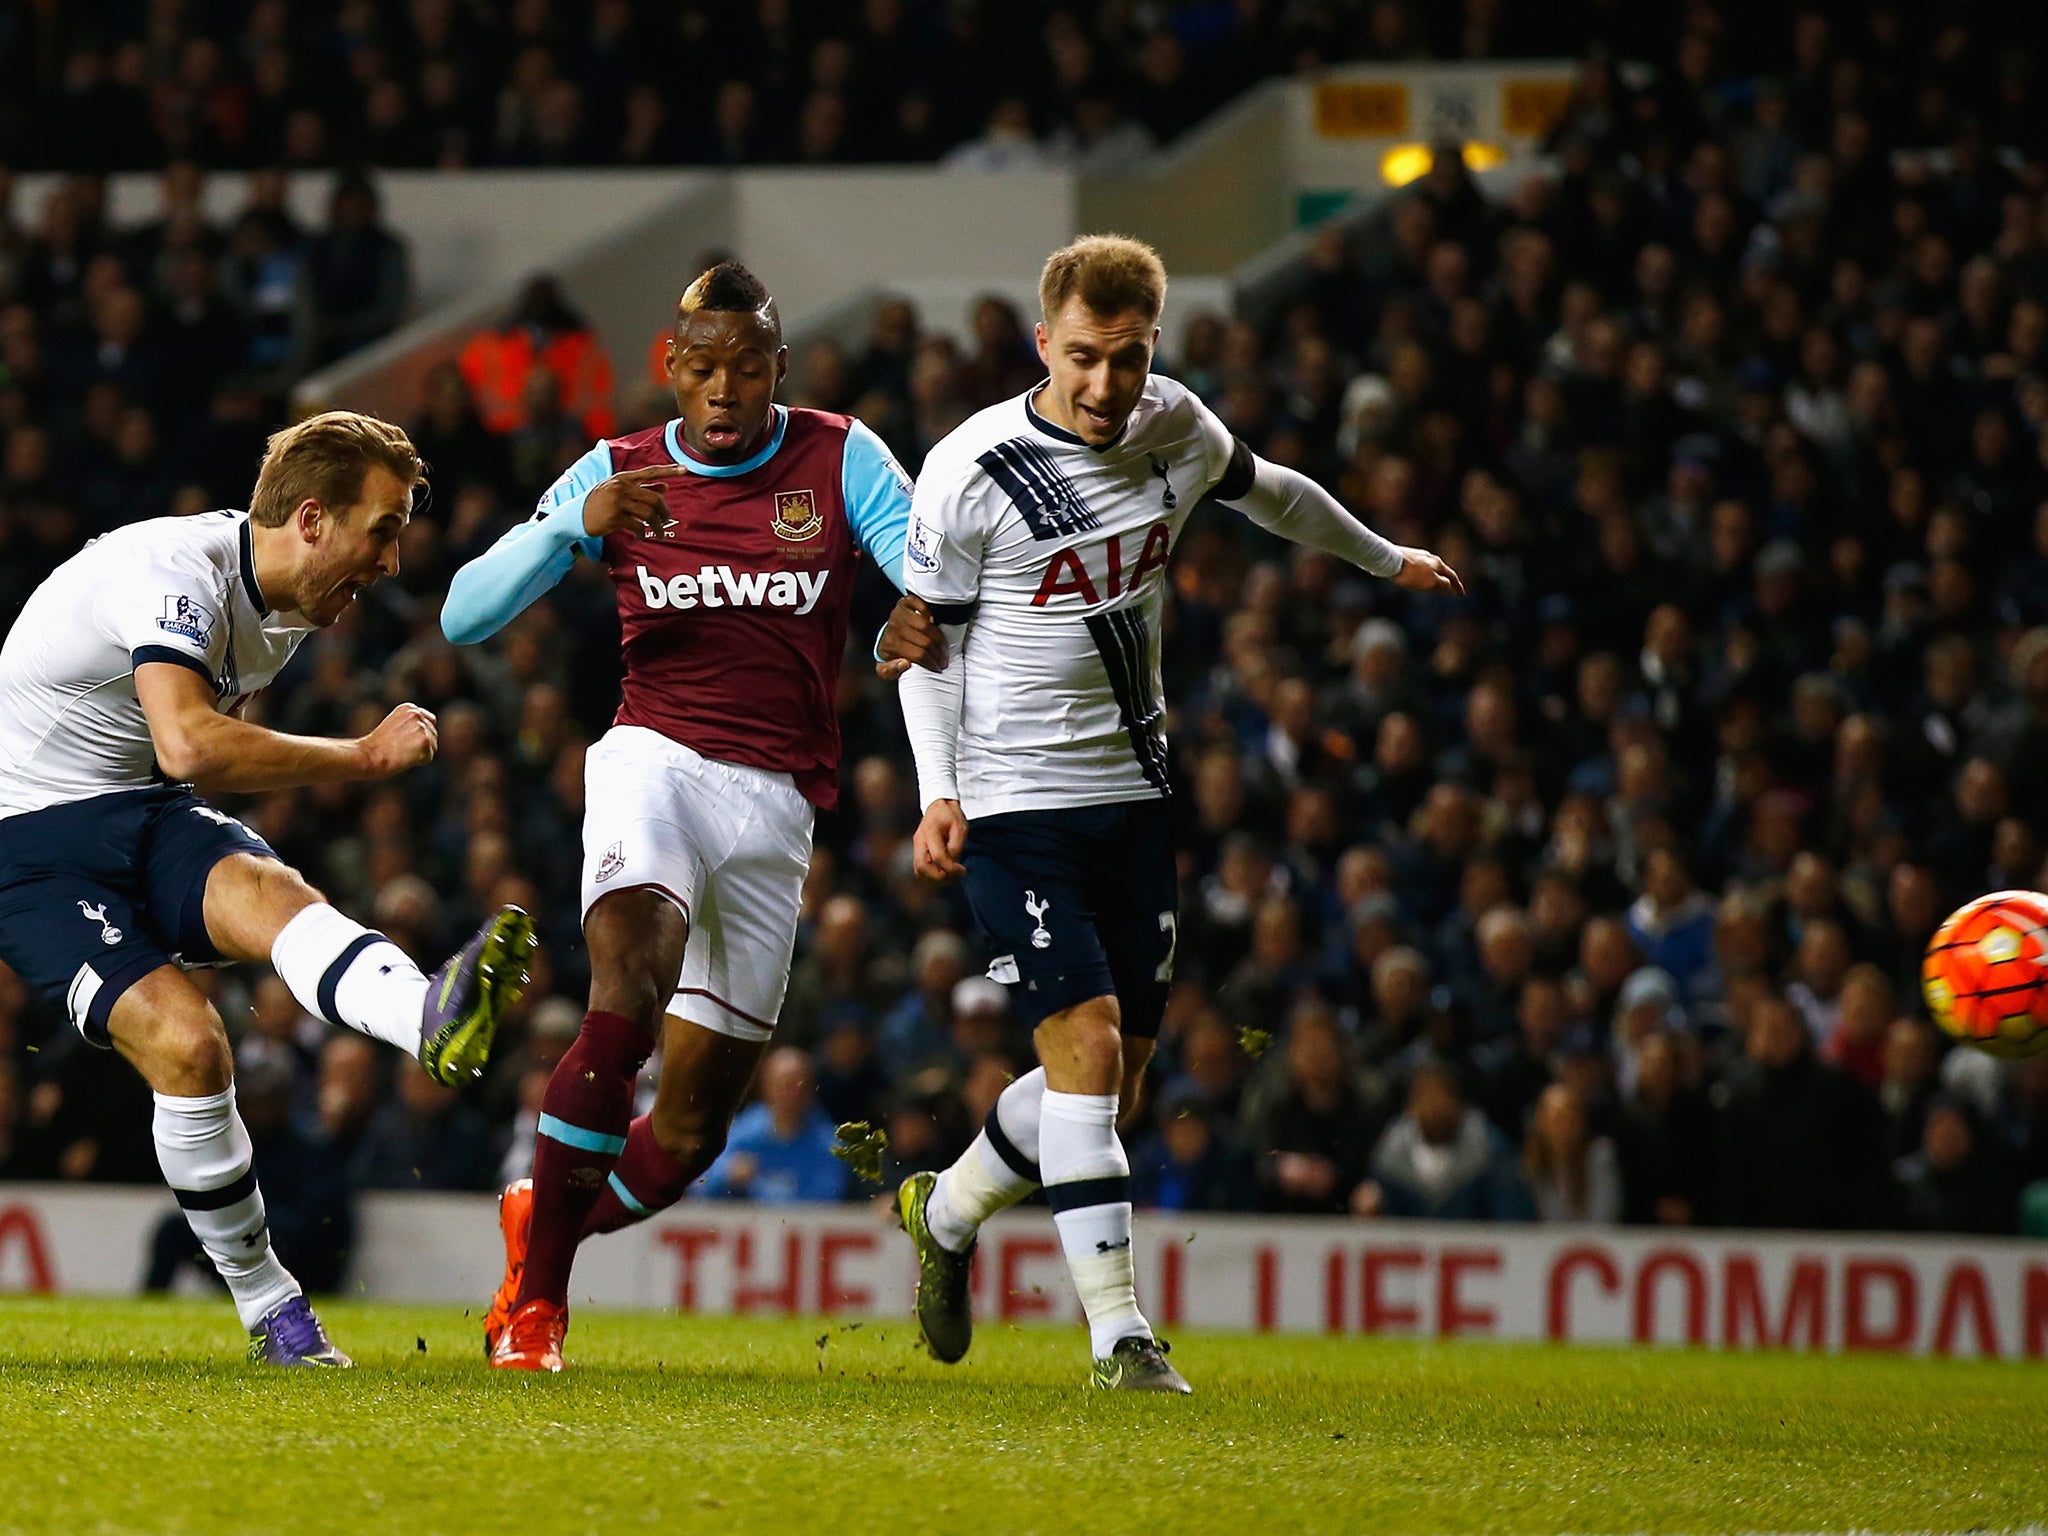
pixel 1237 475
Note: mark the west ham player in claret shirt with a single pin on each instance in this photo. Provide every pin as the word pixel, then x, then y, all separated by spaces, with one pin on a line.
pixel 732 535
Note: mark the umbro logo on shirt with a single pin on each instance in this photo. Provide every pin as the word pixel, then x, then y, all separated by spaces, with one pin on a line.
pixel 720 586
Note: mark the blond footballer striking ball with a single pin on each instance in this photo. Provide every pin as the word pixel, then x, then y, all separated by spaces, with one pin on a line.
pixel 1986 973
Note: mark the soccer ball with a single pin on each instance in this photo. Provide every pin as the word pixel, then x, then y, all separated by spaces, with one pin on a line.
pixel 1986 974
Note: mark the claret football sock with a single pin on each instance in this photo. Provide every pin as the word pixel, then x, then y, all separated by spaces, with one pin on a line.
pixel 999 1168
pixel 644 1182
pixel 204 1152
pixel 584 1117
pixel 1088 1186
pixel 348 974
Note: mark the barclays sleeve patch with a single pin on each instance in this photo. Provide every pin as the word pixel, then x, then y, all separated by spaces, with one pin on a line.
pixel 187 620
pixel 924 546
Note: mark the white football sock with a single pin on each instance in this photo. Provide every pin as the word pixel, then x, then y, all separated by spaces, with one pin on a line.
pixel 997 1170
pixel 205 1156
pixel 348 974
pixel 1088 1184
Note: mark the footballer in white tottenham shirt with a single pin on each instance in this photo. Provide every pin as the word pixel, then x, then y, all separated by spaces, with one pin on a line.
pixel 176 589
pixel 1045 558
pixel 1040 534
pixel 1053 553
pixel 137 655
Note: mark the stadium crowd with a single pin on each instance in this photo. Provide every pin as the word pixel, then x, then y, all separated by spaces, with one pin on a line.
pixel 132 84
pixel 1596 894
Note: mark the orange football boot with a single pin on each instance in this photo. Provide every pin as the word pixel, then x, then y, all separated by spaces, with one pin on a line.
pixel 532 1340
pixel 515 1220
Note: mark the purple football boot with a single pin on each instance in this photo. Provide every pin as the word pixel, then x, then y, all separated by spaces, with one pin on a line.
pixel 471 992
pixel 290 1334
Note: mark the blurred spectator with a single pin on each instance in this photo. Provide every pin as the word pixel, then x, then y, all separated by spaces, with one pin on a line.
pixel 1665 1139
pixel 542 339
pixel 449 434
pixel 1571 1174
pixel 1515 1069
pixel 357 272
pixel 1798 1139
pixel 283 1036
pixel 266 280
pixel 780 1149
pixel 851 1082
pixel 1952 1184
pixel 1190 1163
pixel 1314 1130
pixel 917 1032
pixel 425 1137
pixel 924 1123
pixel 1441 1158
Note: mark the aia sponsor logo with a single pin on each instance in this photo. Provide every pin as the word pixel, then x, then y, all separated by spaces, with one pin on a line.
pixel 1068 571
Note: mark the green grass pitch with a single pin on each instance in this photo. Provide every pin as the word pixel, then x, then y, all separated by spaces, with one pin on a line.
pixel 135 1416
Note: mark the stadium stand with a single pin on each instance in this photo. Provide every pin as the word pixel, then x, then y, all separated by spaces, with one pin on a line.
pixel 1597 894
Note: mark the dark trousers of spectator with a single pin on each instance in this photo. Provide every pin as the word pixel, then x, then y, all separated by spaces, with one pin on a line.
pixel 318 1266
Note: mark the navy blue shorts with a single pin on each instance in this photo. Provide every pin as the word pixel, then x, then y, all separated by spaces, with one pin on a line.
pixel 96 894
pixel 1078 903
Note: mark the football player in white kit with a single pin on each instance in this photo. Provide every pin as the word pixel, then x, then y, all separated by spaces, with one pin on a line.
pixel 1039 539
pixel 122 683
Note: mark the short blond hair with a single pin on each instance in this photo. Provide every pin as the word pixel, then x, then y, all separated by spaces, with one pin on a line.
pixel 325 459
pixel 1110 274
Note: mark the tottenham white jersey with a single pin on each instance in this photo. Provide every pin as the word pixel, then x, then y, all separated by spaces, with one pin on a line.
pixel 175 589
pixel 1060 550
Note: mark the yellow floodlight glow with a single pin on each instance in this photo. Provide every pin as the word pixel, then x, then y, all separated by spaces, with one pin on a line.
pixel 1403 163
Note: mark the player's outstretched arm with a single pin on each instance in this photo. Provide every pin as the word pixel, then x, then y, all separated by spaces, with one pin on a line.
pixel 1287 502
pixel 195 744
pixel 586 504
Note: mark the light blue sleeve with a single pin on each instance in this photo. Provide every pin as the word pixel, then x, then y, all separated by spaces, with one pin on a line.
pixel 500 584
pixel 877 494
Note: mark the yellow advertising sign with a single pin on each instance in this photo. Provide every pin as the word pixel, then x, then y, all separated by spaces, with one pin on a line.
pixel 1359 109
pixel 1531 108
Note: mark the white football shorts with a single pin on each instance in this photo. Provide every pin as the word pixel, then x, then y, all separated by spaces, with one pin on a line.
pixel 729 845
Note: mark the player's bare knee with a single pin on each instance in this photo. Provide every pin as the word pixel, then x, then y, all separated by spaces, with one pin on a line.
pixel 189 1054
pixel 295 892
pixel 1087 1035
pixel 630 990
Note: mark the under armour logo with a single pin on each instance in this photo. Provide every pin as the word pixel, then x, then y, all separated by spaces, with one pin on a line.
pixel 1166 497
pixel 1102 1246
pixel 1036 909
pixel 109 934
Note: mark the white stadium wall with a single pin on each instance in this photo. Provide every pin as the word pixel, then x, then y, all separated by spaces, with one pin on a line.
pixel 1721 1290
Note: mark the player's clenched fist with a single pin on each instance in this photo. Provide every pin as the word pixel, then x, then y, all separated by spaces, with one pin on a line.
pixel 935 850
pixel 1423 572
pixel 629 502
pixel 403 739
